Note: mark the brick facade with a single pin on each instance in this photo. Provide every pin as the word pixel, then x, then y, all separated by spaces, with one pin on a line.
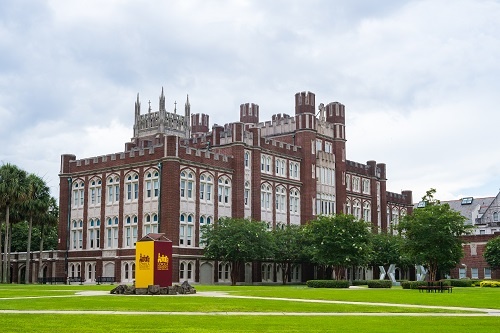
pixel 243 163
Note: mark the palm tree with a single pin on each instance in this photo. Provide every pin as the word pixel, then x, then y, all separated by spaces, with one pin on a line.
pixel 12 191
pixel 37 204
pixel 49 218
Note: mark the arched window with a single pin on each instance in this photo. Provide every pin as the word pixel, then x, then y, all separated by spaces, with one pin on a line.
pixel 152 184
pixel 224 191
pixel 356 207
pixel 132 186
pixel 265 196
pixel 95 192
pixel 111 233
pixel 113 189
pixel 186 230
pixel 130 231
pixel 150 224
pixel 495 217
pixel 76 236
pixel 367 212
pixel 206 186
pixel 78 193
pixel 280 199
pixel 94 233
pixel 187 185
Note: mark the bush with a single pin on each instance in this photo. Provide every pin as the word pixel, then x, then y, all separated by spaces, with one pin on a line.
pixel 458 282
pixel 492 284
pixel 327 284
pixel 413 284
pixel 359 282
pixel 379 284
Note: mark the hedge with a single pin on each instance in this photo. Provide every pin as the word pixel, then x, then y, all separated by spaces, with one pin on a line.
pixel 413 284
pixel 379 284
pixel 458 282
pixel 327 284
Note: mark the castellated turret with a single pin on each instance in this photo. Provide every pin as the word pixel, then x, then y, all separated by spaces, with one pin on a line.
pixel 199 124
pixel 304 102
pixel 249 113
pixel 335 113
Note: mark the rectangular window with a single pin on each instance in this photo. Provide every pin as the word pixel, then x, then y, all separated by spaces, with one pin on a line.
pixel 487 273
pixel 461 273
pixel 117 193
pixel 110 193
pixel 129 191
pixel 474 273
pixel 136 191
pixel 148 189
pixel 98 195
pixel 156 187
pixel 202 191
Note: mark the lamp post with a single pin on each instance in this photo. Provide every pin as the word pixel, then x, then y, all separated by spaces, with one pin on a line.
pixel 465 267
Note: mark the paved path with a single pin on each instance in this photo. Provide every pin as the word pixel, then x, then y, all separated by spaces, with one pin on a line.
pixel 475 312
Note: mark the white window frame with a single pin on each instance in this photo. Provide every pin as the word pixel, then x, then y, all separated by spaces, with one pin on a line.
pixel 94 233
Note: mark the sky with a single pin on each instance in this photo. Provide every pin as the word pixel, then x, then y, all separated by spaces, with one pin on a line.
pixel 419 79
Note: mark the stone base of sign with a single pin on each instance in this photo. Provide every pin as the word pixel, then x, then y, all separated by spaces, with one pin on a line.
pixel 184 289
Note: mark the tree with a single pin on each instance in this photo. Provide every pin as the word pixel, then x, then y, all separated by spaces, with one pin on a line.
pixel 287 248
pixel 338 241
pixel 236 241
pixel 48 222
pixel 36 205
pixel 12 191
pixel 433 235
pixel 492 252
pixel 387 249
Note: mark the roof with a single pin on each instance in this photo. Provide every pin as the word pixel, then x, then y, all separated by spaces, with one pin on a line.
pixel 154 237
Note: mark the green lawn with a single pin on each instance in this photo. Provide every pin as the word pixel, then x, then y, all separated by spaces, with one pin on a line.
pixel 349 318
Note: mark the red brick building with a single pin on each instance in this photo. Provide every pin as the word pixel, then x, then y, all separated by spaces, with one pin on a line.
pixel 177 174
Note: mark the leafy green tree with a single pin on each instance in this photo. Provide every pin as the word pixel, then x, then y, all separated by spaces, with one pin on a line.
pixel 492 252
pixel 48 229
pixel 433 235
pixel 34 207
pixel 13 190
pixel 338 241
pixel 287 248
pixel 236 241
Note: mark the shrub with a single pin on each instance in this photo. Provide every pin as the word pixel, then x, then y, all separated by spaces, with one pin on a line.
pixel 359 282
pixel 492 284
pixel 328 284
pixel 413 284
pixel 379 284
pixel 458 282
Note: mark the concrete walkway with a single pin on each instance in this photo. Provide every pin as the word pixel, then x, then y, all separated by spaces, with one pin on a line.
pixel 475 312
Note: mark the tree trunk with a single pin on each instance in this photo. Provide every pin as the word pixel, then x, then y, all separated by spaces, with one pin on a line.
pixel 40 270
pixel 5 245
pixel 235 271
pixel 28 252
pixel 9 272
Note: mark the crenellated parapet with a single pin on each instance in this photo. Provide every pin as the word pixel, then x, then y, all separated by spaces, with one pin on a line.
pixel 404 198
pixel 69 163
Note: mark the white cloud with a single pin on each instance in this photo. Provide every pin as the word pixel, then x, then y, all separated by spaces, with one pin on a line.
pixel 418 78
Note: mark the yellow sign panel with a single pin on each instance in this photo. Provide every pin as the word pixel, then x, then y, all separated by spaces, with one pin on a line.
pixel 144 263
pixel 162 264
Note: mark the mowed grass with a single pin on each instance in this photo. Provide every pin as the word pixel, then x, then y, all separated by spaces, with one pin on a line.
pixel 182 324
pixel 367 319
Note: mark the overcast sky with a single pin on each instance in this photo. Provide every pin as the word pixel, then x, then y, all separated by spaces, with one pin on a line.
pixel 420 79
